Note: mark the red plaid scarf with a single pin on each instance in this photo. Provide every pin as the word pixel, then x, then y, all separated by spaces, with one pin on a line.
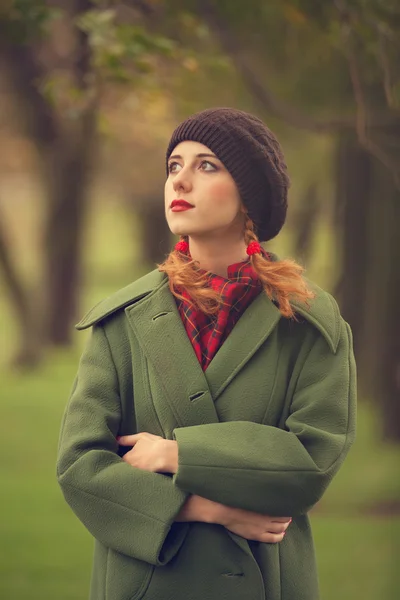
pixel 208 332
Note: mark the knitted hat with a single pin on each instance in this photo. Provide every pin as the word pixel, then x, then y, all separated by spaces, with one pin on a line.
pixel 252 155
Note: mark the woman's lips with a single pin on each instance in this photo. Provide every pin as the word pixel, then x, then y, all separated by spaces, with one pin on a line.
pixel 180 204
pixel 180 208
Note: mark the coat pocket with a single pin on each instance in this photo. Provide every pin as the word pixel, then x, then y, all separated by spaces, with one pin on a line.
pixel 127 578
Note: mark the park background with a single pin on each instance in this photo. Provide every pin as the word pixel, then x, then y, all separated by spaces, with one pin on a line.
pixel 90 92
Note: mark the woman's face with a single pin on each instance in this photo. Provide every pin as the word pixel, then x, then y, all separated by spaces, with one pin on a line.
pixel 199 177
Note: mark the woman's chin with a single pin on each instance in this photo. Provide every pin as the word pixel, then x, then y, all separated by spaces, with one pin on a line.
pixel 181 230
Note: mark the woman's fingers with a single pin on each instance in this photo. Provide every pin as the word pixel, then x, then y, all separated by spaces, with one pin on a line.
pixel 130 440
pixel 255 526
pixel 277 527
pixel 271 538
pixel 127 440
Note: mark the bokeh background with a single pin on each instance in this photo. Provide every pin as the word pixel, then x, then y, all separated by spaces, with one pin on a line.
pixel 90 92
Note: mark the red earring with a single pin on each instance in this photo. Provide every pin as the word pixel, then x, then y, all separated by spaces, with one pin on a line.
pixel 182 246
pixel 253 248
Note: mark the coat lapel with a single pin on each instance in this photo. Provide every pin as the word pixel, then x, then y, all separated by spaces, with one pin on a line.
pixel 190 392
pixel 158 327
pixel 249 333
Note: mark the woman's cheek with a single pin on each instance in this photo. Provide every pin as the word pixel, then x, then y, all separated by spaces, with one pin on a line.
pixel 226 195
pixel 222 189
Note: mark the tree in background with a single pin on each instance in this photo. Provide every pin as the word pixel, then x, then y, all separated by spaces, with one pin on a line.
pixel 58 102
pixel 58 57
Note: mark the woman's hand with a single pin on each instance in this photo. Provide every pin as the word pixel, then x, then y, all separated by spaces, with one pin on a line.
pixel 150 452
pixel 252 525
pixel 197 508
pixel 247 524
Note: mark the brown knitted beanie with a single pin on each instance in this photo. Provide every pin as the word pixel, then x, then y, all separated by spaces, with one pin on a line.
pixel 252 155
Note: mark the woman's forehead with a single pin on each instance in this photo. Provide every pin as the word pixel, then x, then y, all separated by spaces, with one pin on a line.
pixel 189 148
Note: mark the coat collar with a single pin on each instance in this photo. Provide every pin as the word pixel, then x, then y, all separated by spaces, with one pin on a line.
pixel 158 327
pixel 153 316
pixel 124 297
pixel 322 312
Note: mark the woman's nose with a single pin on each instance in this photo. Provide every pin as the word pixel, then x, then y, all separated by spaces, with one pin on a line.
pixel 182 181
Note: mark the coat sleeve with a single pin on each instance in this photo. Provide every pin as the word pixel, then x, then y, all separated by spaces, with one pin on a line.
pixel 279 471
pixel 129 510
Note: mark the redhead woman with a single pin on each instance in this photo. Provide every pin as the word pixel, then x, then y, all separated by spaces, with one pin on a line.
pixel 216 397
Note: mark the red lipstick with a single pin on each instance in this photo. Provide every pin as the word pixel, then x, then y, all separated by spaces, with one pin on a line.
pixel 180 205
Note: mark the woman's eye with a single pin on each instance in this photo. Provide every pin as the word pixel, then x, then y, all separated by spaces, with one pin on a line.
pixel 209 164
pixel 205 165
pixel 172 167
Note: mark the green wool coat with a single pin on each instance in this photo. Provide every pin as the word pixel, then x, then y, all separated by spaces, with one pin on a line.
pixel 264 428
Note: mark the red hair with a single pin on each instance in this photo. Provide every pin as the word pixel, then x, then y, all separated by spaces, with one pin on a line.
pixel 282 280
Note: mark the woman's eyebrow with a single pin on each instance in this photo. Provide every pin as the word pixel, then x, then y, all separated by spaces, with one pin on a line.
pixel 197 156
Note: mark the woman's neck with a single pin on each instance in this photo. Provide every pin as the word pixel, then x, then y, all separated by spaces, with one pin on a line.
pixel 215 256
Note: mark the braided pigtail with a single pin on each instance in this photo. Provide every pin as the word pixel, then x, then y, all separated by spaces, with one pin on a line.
pixel 282 280
pixel 183 273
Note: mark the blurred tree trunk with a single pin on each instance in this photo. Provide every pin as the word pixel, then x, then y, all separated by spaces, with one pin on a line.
pixel 306 220
pixel 383 345
pixel 69 164
pixel 390 356
pixel 28 354
pixel 368 217
pixel 352 208
pixel 65 142
pixel 23 72
pixel 155 233
pixel 67 184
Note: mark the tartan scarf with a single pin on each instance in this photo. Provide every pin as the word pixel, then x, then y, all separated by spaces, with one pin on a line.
pixel 208 332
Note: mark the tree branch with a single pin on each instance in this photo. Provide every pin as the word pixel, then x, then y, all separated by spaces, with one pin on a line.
pixel 141 5
pixel 87 79
pixel 266 98
pixel 263 94
pixel 361 108
pixel 387 79
pixel 285 111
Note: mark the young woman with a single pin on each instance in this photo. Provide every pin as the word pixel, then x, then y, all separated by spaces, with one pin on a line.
pixel 215 399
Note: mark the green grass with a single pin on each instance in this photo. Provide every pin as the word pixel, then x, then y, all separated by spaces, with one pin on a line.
pixel 45 553
pixel 357 558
